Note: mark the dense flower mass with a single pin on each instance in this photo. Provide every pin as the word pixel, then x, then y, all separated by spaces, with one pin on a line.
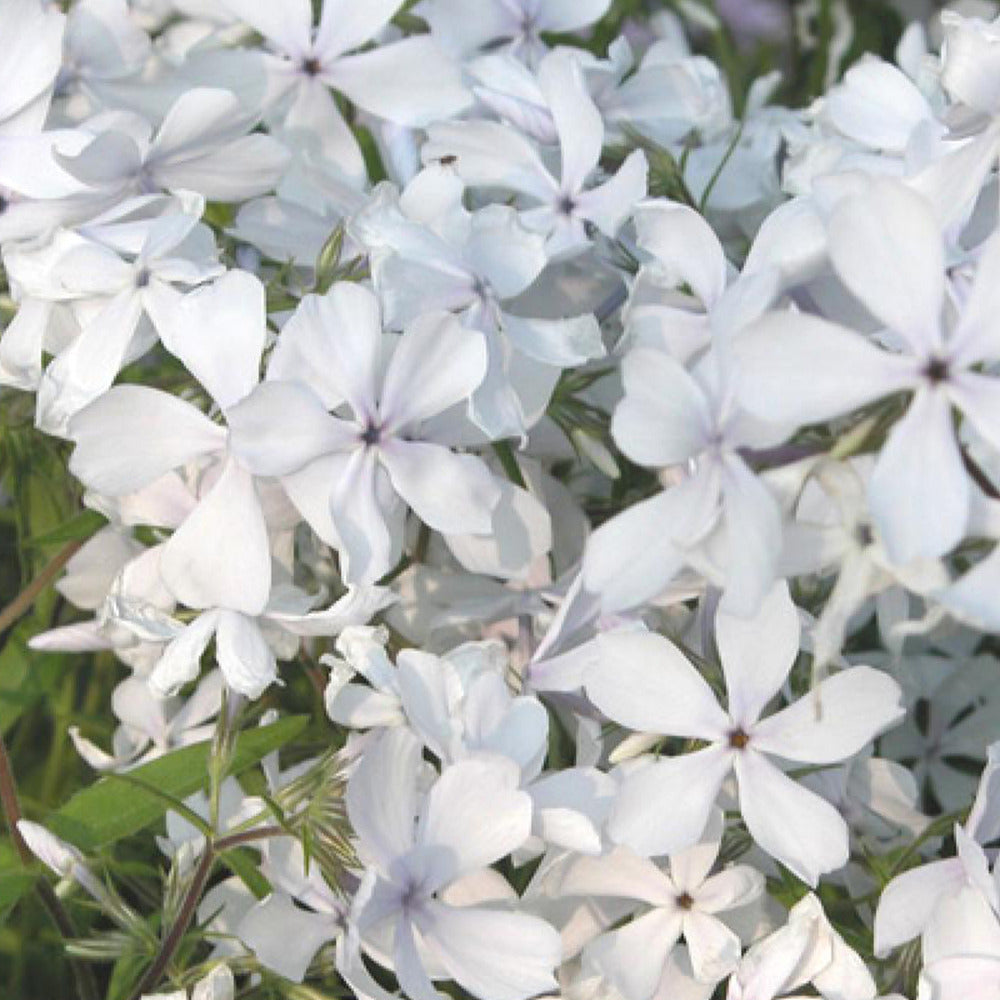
pixel 521 485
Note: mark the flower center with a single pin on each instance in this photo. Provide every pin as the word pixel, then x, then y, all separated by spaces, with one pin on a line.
pixel 312 66
pixel 685 901
pixel 936 371
pixel 371 435
pixel 566 205
pixel 738 739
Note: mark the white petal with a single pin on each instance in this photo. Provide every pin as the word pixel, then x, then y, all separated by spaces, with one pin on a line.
pixel 836 720
pixel 286 24
pixel 181 660
pixel 609 204
pixel 282 426
pixel 577 120
pixel 801 830
pixel 436 364
pixel 757 653
pixel 382 796
pixel 493 955
pixel 664 418
pixel 455 494
pixel 244 657
pixel 561 342
pixel 633 956
pixel 344 25
pixel 642 681
pixel 796 368
pixel 220 556
pixel 244 168
pixel 752 522
pixel 714 948
pixel 631 558
pixel 503 252
pixel 664 806
pixel 877 105
pixel 218 332
pixel 964 977
pixel 685 246
pixel 908 902
pixel 568 15
pixel 621 873
pixel 886 246
pixel 132 435
pixel 361 522
pixel 410 971
pixel 521 532
pixel 492 155
pixel 474 815
pixel 690 867
pixel 334 344
pixel 919 490
pixel 410 82
pixel 735 886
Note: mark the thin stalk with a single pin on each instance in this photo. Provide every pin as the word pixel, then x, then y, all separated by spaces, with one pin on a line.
pixel 85 981
pixel 23 602
pixel 191 899
pixel 184 916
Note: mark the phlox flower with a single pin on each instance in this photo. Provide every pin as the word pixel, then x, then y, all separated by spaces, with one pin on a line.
pixel 644 683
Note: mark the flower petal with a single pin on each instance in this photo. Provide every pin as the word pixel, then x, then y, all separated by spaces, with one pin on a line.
pixel 796 368
pixel 835 721
pixel 282 427
pixel 474 815
pixel 664 418
pixel 382 796
pixel 664 806
pixel 218 332
pixel 919 490
pixel 633 956
pixel 801 830
pixel 757 653
pixel 494 955
pixel 886 246
pixel 437 363
pixel 642 681
pixel 132 435
pixel 220 556
pixel 455 494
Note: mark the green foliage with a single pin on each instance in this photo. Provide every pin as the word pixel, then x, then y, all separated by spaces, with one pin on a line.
pixel 110 809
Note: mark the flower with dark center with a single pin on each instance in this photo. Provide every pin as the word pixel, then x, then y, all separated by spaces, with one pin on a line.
pixel 936 371
pixel 738 739
pixel 371 435
pixel 312 66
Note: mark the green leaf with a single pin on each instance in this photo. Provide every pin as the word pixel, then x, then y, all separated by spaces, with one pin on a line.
pixel 243 862
pixel 110 810
pixel 83 525
pixel 15 879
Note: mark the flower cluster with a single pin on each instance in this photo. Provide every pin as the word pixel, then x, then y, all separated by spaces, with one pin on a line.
pixel 597 458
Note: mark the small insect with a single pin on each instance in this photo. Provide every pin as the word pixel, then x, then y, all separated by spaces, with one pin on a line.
pixel 447 161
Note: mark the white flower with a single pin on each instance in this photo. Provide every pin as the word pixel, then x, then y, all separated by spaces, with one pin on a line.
pixel 411 82
pixel 472 816
pixel 494 155
pixel 886 247
pixel 347 475
pixel 683 902
pixel 463 26
pixel 646 684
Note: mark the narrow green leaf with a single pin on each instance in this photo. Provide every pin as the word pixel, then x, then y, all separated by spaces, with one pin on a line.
pixel 83 525
pixel 110 810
